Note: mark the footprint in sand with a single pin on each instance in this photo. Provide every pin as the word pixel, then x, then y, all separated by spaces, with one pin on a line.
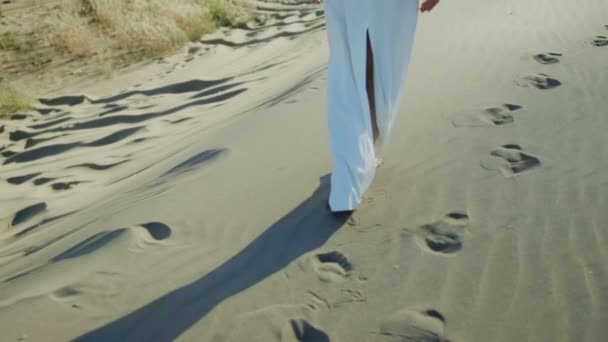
pixel 600 41
pixel 85 289
pixel 28 213
pixel 540 81
pixel 511 160
pixel 157 231
pixel 420 325
pixel 444 236
pixel 547 58
pixel 277 323
pixel 376 195
pixel 94 295
pixel 303 331
pixel 332 266
pixel 492 116
pixel 144 234
pixel 65 294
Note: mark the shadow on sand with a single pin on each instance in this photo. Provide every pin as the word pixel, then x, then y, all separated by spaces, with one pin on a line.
pixel 304 229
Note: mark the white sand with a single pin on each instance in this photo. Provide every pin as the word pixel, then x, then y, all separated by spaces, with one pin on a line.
pixel 483 225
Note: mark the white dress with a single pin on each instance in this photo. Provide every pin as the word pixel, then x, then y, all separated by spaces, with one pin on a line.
pixel 391 25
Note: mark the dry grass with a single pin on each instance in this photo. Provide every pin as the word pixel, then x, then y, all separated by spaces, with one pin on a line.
pixel 12 100
pixel 105 64
pixel 148 27
pixel 101 36
pixel 224 12
pixel 72 36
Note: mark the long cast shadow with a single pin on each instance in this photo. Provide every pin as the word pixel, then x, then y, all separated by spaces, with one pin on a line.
pixel 304 229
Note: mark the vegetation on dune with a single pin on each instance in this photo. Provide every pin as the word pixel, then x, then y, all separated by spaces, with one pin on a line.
pixel 105 34
pixel 12 100
pixel 148 27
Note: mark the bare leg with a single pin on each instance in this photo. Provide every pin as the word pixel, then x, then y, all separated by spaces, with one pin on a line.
pixel 371 95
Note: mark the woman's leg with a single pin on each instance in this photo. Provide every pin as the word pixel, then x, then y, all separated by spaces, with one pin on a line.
pixel 371 94
pixel 349 121
pixel 391 36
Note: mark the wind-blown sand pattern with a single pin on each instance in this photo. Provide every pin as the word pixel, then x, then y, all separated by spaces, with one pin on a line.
pixel 188 200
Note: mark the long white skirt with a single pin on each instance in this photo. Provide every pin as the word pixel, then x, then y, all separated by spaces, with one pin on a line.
pixel 391 25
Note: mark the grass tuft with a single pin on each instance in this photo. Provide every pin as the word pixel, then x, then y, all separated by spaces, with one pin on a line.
pixel 8 41
pixel 12 100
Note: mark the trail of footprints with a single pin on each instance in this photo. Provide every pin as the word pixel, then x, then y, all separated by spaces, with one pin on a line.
pixel 504 114
pixel 445 236
pixel 423 324
pixel 511 159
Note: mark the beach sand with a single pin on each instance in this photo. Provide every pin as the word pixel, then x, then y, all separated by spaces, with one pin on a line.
pixel 187 200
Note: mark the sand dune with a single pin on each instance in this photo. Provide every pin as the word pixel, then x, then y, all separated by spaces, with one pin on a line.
pixel 187 200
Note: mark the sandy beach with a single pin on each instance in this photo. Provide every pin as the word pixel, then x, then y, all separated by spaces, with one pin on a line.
pixel 187 199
